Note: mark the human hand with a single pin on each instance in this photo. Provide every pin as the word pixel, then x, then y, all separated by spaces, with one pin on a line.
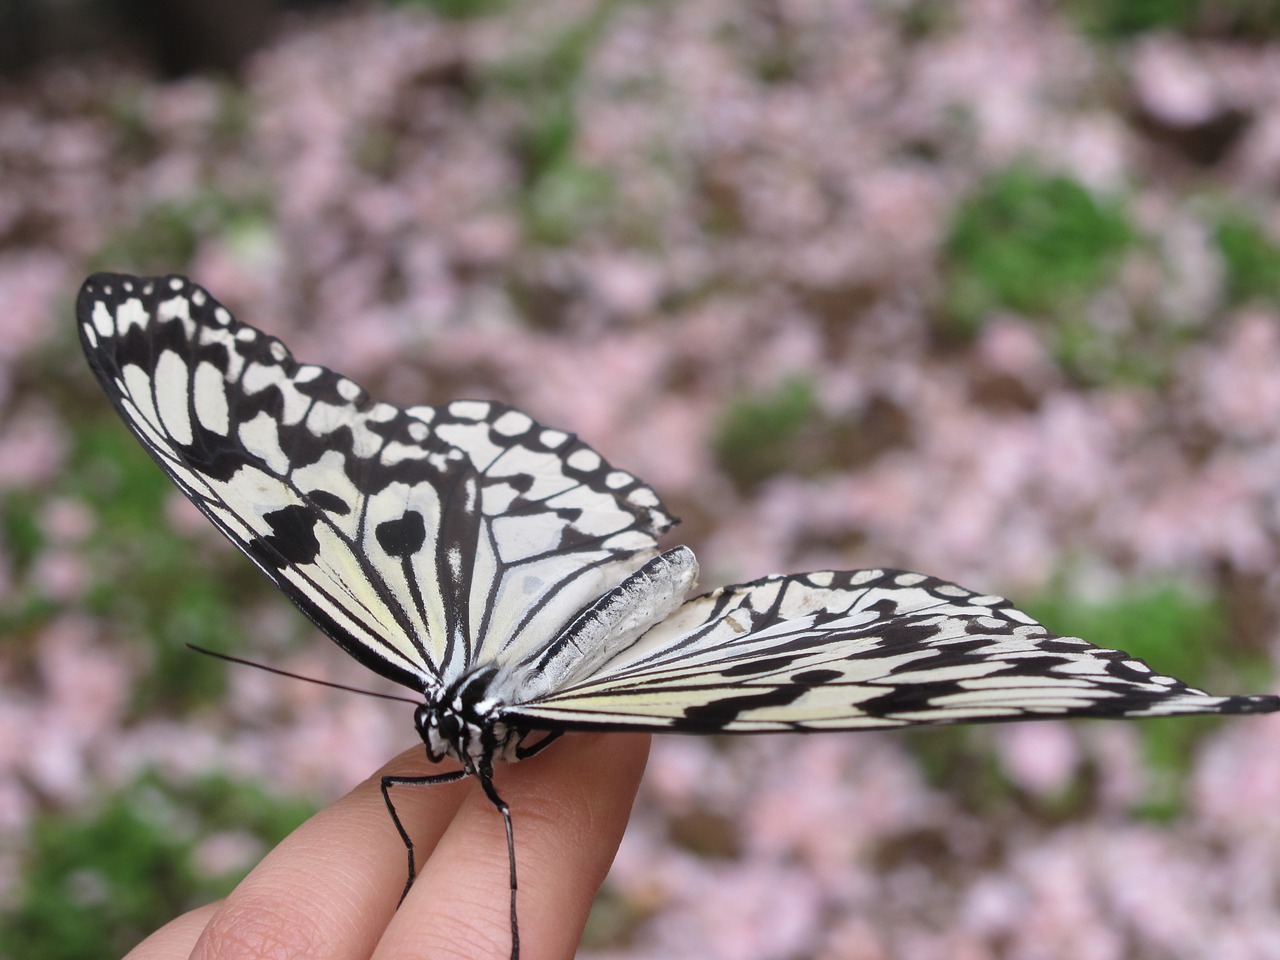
pixel 329 891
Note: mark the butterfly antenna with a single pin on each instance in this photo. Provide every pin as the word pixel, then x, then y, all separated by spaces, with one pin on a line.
pixel 297 676
pixel 485 775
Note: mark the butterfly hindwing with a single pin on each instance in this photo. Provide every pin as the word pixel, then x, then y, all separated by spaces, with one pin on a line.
pixel 422 540
pixel 855 650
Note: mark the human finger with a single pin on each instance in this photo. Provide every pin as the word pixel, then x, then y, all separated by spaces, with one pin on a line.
pixel 176 939
pixel 329 889
pixel 569 807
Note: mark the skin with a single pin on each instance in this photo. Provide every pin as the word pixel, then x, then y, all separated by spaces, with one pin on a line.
pixel 329 891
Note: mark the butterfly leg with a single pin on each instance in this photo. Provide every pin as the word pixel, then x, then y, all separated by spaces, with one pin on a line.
pixel 525 752
pixel 485 774
pixel 429 780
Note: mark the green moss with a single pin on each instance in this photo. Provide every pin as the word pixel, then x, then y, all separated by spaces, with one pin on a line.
pixel 1251 258
pixel 1226 19
pixel 20 529
pixel 753 438
pixel 1030 242
pixel 96 883
pixel 456 9
pixel 1110 20
pixel 1044 247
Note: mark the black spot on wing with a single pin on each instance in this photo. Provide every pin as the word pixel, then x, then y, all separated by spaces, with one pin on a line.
pixel 521 483
pixel 404 536
pixel 329 502
pixel 907 698
pixel 815 678
pixel 894 637
pixel 292 539
pixel 754 668
pixel 214 455
pixel 718 713
pixel 1064 646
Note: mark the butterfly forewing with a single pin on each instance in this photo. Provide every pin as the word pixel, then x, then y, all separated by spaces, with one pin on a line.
pixel 860 649
pixel 422 540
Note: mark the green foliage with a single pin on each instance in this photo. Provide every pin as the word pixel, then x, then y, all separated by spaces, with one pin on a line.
pixel 1244 19
pixel 1111 20
pixel 1030 242
pixel 456 9
pixel 95 884
pixel 117 478
pixel 1141 351
pixel 19 529
pixel 920 20
pixel 548 139
pixel 1251 258
pixel 754 436
pixel 613 922
pixel 163 239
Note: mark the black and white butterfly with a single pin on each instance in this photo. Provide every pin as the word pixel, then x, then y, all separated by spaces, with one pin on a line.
pixel 510 577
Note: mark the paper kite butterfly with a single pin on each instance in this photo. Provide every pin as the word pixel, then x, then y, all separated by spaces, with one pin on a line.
pixel 510 577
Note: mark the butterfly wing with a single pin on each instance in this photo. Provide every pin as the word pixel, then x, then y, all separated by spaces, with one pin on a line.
pixel 422 540
pixel 855 650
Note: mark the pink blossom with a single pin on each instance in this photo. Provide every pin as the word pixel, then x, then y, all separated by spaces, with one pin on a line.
pixel 1172 82
pixel 32 448
pixel 1039 757
pixel 67 521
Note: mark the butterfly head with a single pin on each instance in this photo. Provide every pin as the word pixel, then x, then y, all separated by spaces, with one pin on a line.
pixel 464 722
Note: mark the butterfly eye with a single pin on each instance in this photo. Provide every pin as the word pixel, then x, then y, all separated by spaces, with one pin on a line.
pixel 424 717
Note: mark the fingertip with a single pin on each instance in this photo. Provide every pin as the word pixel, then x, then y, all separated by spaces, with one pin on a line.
pixel 177 938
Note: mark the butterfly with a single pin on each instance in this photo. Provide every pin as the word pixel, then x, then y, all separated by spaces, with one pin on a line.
pixel 510 577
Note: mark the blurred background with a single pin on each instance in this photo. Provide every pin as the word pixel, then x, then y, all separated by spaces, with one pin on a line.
pixel 988 290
